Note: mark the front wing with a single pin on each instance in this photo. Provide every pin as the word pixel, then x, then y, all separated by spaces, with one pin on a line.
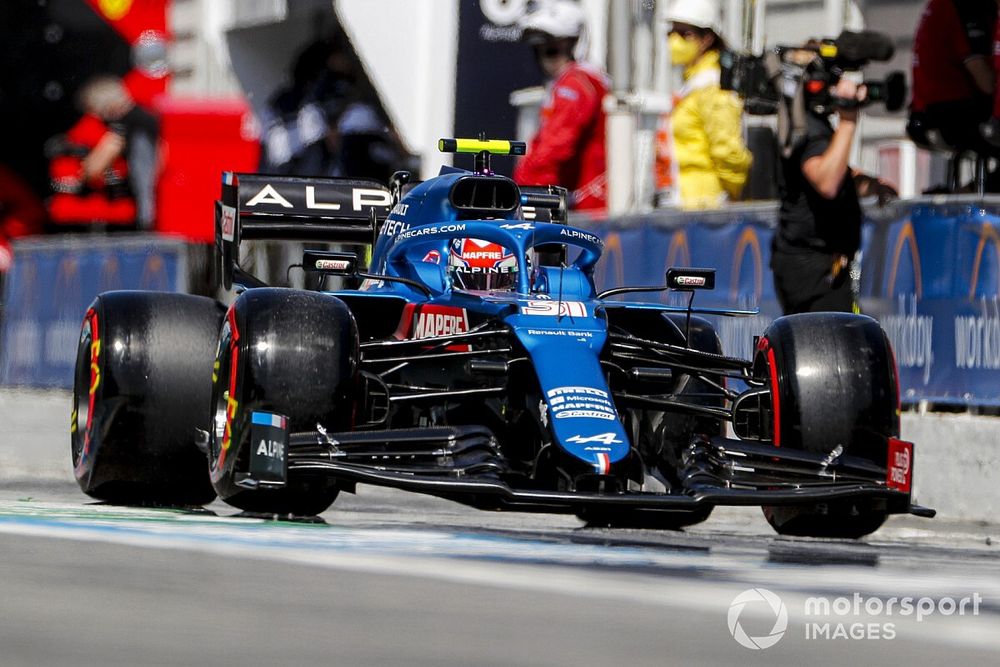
pixel 464 464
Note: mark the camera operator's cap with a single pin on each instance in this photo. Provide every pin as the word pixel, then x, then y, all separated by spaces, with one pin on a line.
pixel 554 18
pixel 699 13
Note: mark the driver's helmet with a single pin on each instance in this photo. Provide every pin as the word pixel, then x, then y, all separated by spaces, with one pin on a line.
pixel 481 265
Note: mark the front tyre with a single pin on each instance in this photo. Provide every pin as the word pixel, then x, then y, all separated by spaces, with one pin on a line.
pixel 833 384
pixel 288 352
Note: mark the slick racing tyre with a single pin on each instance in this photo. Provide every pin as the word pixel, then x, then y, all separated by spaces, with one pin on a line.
pixel 142 387
pixel 833 384
pixel 286 352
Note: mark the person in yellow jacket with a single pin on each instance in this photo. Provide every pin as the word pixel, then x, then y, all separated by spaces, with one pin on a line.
pixel 702 160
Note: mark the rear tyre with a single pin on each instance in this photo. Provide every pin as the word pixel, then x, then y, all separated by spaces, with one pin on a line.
pixel 289 352
pixel 141 390
pixel 833 384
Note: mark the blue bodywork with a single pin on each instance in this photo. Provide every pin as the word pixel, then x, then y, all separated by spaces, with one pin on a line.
pixel 554 311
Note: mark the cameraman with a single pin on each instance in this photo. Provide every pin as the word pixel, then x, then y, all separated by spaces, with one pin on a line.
pixel 820 219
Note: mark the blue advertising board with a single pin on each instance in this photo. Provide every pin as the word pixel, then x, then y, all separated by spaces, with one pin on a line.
pixel 929 272
pixel 934 286
pixel 52 283
pixel 736 243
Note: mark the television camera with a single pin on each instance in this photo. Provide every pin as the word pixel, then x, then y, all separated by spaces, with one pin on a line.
pixel 764 80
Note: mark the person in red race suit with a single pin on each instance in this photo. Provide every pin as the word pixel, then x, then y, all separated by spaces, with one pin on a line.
pixel 568 149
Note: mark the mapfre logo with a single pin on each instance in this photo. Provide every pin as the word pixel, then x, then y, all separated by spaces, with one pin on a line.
pixel 440 321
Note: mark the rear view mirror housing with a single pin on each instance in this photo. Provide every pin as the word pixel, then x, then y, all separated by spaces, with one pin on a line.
pixel 330 263
pixel 686 280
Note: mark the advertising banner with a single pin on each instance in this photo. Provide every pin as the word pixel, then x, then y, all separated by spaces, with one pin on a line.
pixel 929 272
pixel 53 282
pixel 935 281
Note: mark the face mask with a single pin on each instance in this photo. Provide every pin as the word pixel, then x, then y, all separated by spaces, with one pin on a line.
pixel 682 51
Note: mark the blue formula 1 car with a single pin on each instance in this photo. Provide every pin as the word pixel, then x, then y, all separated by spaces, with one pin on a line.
pixel 474 359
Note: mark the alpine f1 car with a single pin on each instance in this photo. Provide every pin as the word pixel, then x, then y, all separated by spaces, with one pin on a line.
pixel 474 359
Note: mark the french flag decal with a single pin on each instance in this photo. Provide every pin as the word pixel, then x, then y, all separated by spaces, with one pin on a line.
pixel 227 178
pixel 603 464
pixel 269 419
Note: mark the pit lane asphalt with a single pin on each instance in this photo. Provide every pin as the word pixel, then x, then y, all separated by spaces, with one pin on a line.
pixel 394 578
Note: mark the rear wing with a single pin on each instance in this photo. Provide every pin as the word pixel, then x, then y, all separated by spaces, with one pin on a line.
pixel 258 206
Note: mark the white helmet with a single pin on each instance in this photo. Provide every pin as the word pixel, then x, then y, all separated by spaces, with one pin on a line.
pixel 699 13
pixel 558 18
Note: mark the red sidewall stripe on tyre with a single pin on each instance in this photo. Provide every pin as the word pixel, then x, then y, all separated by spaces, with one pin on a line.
pixel 95 380
pixel 234 353
pixel 765 346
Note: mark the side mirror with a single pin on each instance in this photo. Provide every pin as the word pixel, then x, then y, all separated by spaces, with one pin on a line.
pixel 690 279
pixel 330 263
